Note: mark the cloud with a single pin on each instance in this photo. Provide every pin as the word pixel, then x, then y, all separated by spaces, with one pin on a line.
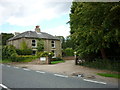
pixel 62 30
pixel 31 12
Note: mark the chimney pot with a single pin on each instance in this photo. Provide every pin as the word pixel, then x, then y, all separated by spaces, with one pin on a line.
pixel 37 29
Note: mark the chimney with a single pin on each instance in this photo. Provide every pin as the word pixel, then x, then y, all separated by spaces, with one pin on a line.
pixel 37 29
pixel 16 33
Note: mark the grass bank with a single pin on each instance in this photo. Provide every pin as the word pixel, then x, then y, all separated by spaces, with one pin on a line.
pixel 109 75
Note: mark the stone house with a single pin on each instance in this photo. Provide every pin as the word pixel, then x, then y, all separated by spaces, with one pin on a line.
pixel 51 43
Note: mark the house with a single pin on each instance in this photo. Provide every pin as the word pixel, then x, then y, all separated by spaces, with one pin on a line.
pixel 51 43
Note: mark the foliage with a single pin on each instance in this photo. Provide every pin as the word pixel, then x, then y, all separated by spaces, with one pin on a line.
pixel 103 64
pixel 57 59
pixel 8 51
pixel 42 54
pixel 68 52
pixel 23 45
pixel 40 45
pixel 18 58
pixel 109 75
pixel 45 54
pixel 24 51
pixel 94 26
pixel 5 37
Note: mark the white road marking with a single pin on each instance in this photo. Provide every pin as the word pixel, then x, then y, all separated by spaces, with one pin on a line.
pixel 26 69
pixel 94 81
pixel 40 72
pixel 16 67
pixel 3 86
pixel 60 75
pixel 2 64
pixel 8 65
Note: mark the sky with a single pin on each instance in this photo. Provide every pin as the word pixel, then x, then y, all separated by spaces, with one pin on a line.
pixel 24 15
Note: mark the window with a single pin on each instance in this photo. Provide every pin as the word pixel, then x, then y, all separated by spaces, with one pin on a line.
pixel 34 43
pixel 53 53
pixel 53 44
pixel 34 52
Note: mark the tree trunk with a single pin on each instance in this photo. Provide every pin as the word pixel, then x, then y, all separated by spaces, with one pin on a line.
pixel 103 53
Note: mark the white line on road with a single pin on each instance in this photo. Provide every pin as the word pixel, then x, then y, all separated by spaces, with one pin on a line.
pixel 16 67
pixel 26 69
pixel 40 72
pixel 60 75
pixel 8 65
pixel 3 86
pixel 94 81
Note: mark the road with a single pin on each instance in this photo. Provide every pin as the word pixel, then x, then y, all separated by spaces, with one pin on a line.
pixel 16 77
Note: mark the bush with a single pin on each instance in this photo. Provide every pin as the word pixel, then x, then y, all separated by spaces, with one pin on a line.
pixel 42 54
pixel 8 51
pixel 103 64
pixel 57 59
pixel 24 58
pixel 24 51
pixel 68 52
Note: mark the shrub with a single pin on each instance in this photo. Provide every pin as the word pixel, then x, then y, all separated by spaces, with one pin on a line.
pixel 68 52
pixel 8 51
pixel 24 51
pixel 57 59
pixel 42 54
pixel 103 64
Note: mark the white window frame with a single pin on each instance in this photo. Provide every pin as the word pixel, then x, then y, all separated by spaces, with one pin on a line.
pixel 34 43
pixel 54 53
pixel 53 44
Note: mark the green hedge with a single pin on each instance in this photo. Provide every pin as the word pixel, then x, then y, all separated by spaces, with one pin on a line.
pixel 57 59
pixel 24 52
pixel 105 64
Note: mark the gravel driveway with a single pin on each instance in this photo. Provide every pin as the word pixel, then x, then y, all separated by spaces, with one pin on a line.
pixel 69 68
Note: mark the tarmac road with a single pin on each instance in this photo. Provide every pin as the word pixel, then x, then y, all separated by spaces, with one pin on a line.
pixel 16 77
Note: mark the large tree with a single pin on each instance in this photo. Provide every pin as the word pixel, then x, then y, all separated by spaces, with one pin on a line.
pixel 5 37
pixel 94 26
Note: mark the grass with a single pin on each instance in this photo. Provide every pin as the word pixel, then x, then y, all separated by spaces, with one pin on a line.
pixel 55 62
pixel 5 61
pixel 109 75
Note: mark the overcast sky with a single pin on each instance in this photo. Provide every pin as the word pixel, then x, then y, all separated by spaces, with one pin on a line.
pixel 24 15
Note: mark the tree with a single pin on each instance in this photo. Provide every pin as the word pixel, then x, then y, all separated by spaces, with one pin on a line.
pixel 23 45
pixel 40 45
pixel 94 26
pixel 8 51
pixel 5 37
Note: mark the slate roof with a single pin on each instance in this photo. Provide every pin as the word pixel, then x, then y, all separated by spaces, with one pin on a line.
pixel 33 34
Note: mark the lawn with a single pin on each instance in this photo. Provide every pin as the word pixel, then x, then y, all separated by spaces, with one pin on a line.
pixel 109 75
pixel 55 62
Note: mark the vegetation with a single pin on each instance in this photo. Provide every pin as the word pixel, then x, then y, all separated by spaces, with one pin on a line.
pixel 40 45
pixel 23 45
pixel 95 28
pixel 55 62
pixel 109 75
pixel 68 52
pixel 103 64
pixel 24 51
pixel 5 37
pixel 44 54
pixel 8 52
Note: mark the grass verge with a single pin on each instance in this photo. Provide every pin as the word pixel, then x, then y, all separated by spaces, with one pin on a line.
pixel 55 62
pixel 109 75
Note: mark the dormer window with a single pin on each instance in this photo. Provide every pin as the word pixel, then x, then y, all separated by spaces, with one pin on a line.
pixel 53 44
pixel 33 43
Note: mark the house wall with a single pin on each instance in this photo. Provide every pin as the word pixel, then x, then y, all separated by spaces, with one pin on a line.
pixel 47 45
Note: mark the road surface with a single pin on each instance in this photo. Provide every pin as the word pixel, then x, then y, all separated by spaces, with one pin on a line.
pixel 16 77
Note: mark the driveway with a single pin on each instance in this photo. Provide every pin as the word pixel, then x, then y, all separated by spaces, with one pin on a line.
pixel 70 69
